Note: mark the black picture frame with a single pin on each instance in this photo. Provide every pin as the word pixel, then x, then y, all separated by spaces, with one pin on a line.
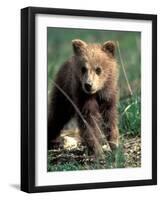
pixel 28 98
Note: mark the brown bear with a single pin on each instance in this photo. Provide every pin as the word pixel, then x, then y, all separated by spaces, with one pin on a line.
pixel 86 88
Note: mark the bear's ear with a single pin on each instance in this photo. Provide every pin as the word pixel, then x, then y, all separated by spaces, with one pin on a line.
pixel 78 46
pixel 109 47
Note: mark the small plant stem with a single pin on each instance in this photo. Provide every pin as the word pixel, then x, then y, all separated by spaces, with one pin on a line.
pixel 123 68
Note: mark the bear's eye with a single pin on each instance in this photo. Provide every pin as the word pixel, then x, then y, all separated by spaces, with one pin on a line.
pixel 83 70
pixel 98 70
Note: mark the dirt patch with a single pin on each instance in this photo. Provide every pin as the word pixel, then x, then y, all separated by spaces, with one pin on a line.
pixel 71 155
pixel 132 151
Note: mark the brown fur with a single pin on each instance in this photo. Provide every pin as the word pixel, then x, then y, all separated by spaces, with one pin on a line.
pixel 97 106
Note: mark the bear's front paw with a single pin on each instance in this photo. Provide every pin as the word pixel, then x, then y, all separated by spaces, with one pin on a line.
pixel 114 139
pixel 114 144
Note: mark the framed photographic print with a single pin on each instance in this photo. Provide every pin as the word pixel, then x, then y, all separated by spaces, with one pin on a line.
pixel 88 99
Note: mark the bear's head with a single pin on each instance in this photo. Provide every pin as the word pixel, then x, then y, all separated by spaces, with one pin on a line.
pixel 96 64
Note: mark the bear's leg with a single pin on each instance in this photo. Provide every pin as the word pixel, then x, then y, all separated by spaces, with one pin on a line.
pixel 90 127
pixel 59 113
pixel 109 115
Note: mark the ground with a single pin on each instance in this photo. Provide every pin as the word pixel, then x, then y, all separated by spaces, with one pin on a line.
pixel 73 156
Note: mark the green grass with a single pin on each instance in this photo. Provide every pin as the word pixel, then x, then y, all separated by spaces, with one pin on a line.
pixel 69 166
pixel 130 116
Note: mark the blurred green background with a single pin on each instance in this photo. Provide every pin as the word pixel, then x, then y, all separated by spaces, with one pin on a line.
pixel 60 49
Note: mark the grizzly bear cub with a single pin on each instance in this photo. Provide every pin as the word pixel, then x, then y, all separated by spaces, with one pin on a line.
pixel 86 88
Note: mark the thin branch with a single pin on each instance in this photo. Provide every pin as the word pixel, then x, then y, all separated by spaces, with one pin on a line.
pixel 97 126
pixel 123 68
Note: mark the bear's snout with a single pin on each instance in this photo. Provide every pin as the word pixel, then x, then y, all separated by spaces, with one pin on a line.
pixel 88 87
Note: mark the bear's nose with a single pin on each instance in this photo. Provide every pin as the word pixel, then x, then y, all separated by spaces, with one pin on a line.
pixel 88 87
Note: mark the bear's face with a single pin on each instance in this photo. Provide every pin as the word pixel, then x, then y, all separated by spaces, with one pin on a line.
pixel 95 63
